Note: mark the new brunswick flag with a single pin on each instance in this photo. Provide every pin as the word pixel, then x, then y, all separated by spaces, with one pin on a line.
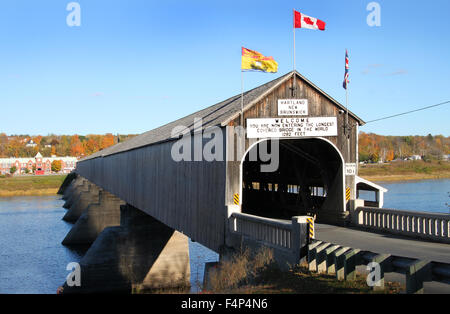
pixel 254 61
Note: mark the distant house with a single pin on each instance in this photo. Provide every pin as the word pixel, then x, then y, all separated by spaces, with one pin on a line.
pixel 43 165
pixel 31 143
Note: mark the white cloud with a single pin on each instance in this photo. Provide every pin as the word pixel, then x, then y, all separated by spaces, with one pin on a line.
pixel 370 67
pixel 398 72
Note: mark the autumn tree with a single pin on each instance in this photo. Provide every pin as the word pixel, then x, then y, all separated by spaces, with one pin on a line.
pixel 37 139
pixel 108 140
pixel 56 165
pixel 91 145
pixel 76 147
pixel 390 155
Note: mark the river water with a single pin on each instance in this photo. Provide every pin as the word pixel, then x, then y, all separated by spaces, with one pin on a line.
pixel 424 195
pixel 32 259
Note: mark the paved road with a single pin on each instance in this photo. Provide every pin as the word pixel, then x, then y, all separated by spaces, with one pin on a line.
pixel 388 244
pixel 384 243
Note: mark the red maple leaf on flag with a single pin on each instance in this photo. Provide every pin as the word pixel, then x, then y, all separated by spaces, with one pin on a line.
pixel 321 25
pixel 307 20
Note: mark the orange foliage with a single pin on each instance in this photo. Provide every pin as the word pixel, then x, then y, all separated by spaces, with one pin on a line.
pixel 108 140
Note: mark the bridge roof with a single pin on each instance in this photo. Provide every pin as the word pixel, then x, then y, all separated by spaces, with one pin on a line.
pixel 368 185
pixel 219 114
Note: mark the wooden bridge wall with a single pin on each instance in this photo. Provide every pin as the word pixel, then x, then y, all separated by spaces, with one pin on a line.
pixel 188 196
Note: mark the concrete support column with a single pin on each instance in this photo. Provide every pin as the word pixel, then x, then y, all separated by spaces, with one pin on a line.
pixel 299 238
pixel 94 219
pixel 416 274
pixel 68 190
pixel 142 253
pixel 67 182
pixel 383 261
pixel 73 193
pixel 345 261
pixel 86 198
pixel 312 255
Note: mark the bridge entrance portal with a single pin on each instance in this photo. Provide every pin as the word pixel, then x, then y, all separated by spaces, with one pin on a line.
pixel 308 180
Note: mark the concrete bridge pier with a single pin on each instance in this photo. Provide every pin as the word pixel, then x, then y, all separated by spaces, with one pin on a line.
pixel 142 253
pixel 94 219
pixel 80 185
pixel 67 183
pixel 79 205
pixel 68 191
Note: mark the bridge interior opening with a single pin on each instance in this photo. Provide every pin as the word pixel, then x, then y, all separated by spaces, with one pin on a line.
pixel 306 177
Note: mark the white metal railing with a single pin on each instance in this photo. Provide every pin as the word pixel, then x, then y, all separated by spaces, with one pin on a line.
pixel 430 226
pixel 325 257
pixel 273 231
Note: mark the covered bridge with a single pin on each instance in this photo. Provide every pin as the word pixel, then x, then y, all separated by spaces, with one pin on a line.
pixel 310 169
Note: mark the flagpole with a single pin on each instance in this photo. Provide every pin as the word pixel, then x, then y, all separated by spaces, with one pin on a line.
pixel 242 98
pixel 347 129
pixel 346 112
pixel 241 132
pixel 347 125
pixel 295 81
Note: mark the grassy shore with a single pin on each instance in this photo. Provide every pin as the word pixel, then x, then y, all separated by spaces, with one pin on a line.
pixel 405 170
pixel 258 274
pixel 30 185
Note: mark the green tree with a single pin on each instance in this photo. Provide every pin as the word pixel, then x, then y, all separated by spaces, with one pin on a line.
pixel 13 169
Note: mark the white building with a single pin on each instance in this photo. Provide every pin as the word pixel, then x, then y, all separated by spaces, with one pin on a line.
pixel 43 165
pixel 31 143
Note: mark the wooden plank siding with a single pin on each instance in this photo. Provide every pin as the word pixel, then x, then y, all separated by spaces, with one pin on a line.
pixel 187 195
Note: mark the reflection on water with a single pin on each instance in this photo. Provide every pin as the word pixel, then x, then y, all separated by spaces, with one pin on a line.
pixel 32 258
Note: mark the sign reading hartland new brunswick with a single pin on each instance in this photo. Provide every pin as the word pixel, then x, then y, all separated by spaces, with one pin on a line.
pixel 291 127
pixel 293 107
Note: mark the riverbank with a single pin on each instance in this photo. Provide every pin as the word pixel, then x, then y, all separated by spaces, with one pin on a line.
pixel 405 171
pixel 258 274
pixel 30 185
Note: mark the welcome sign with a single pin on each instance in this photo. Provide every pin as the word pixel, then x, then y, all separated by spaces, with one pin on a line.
pixel 291 127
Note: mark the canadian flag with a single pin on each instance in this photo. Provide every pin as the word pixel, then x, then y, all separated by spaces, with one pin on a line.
pixel 304 21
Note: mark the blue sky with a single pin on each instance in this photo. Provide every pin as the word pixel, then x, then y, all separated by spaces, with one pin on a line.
pixel 134 65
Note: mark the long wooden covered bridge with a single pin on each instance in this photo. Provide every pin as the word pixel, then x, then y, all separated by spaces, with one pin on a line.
pixel 223 176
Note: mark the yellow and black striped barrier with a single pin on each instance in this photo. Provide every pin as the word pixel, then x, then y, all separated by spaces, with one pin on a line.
pixel 310 223
pixel 236 199
pixel 347 194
